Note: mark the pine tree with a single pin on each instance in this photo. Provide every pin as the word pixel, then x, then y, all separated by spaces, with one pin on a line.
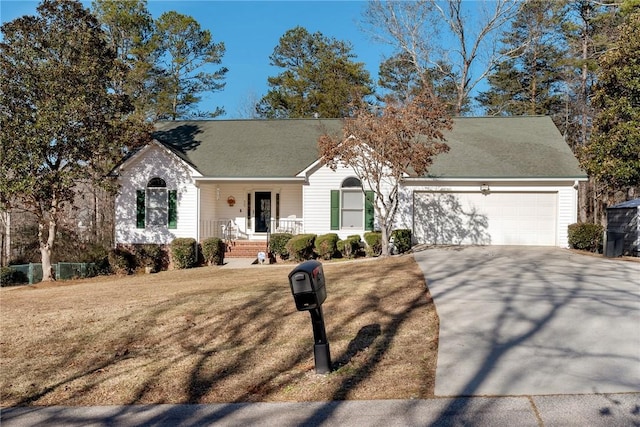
pixel 182 49
pixel 530 80
pixel 319 77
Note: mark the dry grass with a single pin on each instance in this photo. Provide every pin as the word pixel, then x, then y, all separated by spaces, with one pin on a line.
pixel 217 335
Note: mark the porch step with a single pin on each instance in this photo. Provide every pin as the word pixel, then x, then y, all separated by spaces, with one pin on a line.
pixel 245 249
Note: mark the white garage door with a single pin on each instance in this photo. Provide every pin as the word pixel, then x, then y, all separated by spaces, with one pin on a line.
pixel 495 219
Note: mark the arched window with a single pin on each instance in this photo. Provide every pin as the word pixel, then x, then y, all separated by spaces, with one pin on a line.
pixel 156 206
pixel 156 182
pixel 351 182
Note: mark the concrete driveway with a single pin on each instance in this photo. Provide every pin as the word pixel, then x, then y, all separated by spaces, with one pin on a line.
pixel 532 320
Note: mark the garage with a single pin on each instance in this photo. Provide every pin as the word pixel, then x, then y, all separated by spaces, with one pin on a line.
pixel 490 218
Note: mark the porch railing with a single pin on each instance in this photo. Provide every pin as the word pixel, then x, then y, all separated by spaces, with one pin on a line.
pixel 220 228
pixel 287 225
pixel 227 230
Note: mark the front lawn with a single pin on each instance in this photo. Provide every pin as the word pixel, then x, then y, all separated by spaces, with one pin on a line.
pixel 215 334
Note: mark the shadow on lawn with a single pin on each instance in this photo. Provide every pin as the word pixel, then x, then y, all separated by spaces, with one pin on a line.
pixel 559 287
pixel 204 341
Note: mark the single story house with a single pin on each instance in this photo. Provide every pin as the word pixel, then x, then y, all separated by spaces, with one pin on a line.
pixel 505 181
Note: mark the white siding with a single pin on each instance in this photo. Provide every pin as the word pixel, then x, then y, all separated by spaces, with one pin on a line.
pixel 552 207
pixel 317 200
pixel 567 213
pixel 155 162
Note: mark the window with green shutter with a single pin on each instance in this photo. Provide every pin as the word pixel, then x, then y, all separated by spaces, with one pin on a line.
pixel 140 208
pixel 349 209
pixel 369 211
pixel 156 206
pixel 173 209
pixel 335 209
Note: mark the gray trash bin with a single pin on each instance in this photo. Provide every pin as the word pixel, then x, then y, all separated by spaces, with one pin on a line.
pixel 614 245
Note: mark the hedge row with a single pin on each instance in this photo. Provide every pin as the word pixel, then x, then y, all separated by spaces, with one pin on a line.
pixel 182 252
pixel 327 246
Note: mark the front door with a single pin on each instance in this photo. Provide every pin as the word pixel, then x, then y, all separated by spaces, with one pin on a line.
pixel 263 211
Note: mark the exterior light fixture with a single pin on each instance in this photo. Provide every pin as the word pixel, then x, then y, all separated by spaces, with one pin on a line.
pixel 484 189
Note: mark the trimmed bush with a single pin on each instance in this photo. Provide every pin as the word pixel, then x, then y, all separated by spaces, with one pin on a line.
pixel 183 252
pixel 374 243
pixel 300 247
pixel 151 256
pixel 121 261
pixel 9 276
pixel 327 245
pixel 351 246
pixel 401 240
pixel 586 236
pixel 213 250
pixel 278 244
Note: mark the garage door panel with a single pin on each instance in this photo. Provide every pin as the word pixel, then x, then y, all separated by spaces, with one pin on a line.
pixel 496 218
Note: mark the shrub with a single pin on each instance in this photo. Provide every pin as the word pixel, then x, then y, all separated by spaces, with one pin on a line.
pixel 350 247
pixel 401 240
pixel 213 250
pixel 586 236
pixel 300 247
pixel 99 256
pixel 183 252
pixel 326 245
pixel 374 243
pixel 150 255
pixel 121 261
pixel 9 276
pixel 278 244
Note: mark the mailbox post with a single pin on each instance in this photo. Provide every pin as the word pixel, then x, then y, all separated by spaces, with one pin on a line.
pixel 309 292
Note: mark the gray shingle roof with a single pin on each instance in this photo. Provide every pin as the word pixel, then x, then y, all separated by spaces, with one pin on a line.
pixel 246 148
pixel 490 147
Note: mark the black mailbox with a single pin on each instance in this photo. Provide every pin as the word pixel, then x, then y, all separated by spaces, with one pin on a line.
pixel 307 285
pixel 309 292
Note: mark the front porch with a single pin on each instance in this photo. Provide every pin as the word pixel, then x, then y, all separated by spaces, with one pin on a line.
pixel 249 211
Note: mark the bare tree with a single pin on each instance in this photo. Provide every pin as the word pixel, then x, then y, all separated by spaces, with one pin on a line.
pixel 247 107
pixel 455 38
pixel 383 147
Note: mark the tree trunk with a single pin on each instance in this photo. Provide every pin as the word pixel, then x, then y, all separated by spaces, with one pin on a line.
pixel 6 239
pixel 49 222
pixel 45 248
pixel 384 239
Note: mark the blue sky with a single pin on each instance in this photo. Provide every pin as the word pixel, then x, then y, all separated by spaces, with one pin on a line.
pixel 250 31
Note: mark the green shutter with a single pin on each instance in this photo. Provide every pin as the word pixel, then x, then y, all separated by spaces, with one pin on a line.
pixel 369 211
pixel 140 206
pixel 173 209
pixel 335 209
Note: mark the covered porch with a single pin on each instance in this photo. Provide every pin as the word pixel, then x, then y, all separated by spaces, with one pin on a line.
pixel 251 211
